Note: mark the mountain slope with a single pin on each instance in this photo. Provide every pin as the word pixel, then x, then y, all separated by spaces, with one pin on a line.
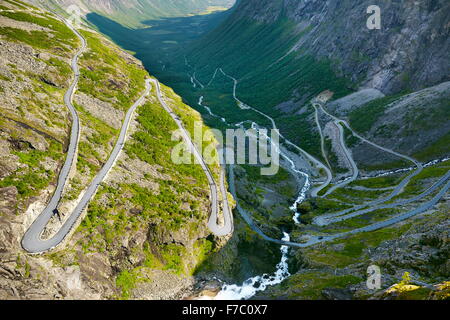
pixel 391 85
pixel 145 223
pixel 409 52
pixel 155 229
pixel 284 53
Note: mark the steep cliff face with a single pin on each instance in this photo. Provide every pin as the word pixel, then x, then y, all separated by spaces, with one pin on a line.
pixel 410 51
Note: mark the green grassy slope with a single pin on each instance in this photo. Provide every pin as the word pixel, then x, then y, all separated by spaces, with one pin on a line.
pixel 146 200
pixel 32 127
pixel 258 55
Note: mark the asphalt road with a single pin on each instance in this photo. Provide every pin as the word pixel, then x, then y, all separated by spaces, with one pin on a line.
pixel 322 138
pixel 316 239
pixel 393 205
pixel 408 158
pixel 375 205
pixel 228 226
pixel 213 225
pixel 32 241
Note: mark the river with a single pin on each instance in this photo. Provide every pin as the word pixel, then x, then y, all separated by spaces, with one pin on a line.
pixel 252 286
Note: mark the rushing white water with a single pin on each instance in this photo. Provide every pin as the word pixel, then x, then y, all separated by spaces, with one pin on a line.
pixel 259 283
pixel 302 196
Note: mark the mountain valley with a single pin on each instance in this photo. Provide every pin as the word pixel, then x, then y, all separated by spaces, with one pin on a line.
pixel 364 123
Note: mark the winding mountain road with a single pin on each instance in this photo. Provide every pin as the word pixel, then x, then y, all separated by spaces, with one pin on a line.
pixel 311 240
pixel 318 164
pixel 355 170
pixel 408 158
pixel 213 225
pixel 322 138
pixel 400 203
pixel 322 220
pixel 32 241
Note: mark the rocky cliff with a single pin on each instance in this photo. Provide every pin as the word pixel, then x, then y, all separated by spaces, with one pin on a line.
pixel 144 235
pixel 390 84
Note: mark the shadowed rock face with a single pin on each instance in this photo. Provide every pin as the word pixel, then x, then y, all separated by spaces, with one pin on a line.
pixel 409 52
pixel 133 12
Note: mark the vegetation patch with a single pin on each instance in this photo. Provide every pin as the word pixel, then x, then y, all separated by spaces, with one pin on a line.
pixel 363 118
pixel 309 285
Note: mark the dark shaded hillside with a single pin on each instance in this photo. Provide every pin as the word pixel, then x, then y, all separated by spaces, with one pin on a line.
pixel 249 51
